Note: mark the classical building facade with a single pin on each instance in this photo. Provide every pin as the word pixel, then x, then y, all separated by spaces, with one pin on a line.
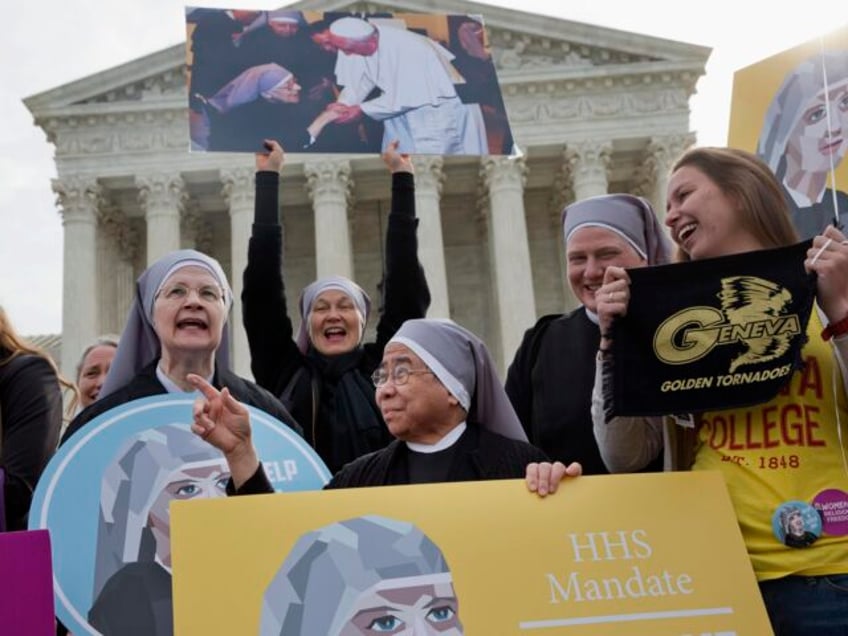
pixel 593 110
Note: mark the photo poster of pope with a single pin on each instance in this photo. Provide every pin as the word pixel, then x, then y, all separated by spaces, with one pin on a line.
pixel 802 127
pixel 339 82
pixel 362 576
pixel 106 498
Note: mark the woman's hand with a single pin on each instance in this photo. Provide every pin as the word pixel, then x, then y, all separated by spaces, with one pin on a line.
pixel 543 478
pixel 224 422
pixel 612 300
pixel 395 161
pixel 219 418
pixel 273 160
pixel 828 258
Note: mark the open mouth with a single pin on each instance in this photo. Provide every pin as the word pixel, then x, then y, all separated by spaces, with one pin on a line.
pixel 685 232
pixel 335 334
pixel 192 323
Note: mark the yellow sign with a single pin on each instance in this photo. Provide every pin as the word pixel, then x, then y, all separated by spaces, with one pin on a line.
pixel 791 109
pixel 648 554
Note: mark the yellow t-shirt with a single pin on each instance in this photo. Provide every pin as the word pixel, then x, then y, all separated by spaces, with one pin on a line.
pixel 783 451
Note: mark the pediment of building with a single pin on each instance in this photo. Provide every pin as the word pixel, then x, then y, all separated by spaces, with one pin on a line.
pixel 528 49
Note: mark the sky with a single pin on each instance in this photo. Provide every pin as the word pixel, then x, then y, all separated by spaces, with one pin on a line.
pixel 50 43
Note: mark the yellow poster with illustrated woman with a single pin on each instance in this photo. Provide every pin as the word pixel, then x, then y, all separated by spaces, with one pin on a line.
pixel 792 110
pixel 646 554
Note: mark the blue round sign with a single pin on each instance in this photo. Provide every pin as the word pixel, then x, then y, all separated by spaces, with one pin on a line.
pixel 105 496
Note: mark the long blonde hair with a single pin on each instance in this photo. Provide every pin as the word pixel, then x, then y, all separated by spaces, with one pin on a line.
pixel 12 345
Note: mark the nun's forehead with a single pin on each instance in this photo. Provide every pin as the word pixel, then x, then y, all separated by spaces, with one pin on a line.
pixel 190 271
pixel 332 293
pixel 396 351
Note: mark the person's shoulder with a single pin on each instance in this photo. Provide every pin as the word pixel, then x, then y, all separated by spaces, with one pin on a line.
pixel 116 398
pixel 143 384
pixel 362 470
pixel 491 441
pixel 254 395
pixel 543 323
pixel 27 362
pixel 251 393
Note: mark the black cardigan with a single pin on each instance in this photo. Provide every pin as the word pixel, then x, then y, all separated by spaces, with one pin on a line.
pixel 275 359
pixel 30 421
pixel 559 351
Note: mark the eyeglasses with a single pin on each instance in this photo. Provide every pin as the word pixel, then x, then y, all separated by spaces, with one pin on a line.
pixel 399 375
pixel 178 292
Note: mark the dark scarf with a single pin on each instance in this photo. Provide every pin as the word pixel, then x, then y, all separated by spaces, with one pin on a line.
pixel 348 423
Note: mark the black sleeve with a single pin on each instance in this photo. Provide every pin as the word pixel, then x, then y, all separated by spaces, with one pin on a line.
pixel 518 382
pixel 258 484
pixel 274 356
pixel 32 418
pixel 405 291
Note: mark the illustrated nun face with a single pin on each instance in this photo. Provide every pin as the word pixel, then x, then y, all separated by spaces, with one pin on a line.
pixel 335 325
pixel 416 606
pixel 814 141
pixel 795 524
pixel 193 481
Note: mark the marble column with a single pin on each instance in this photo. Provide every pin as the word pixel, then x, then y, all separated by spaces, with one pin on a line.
pixel 117 249
pixel 330 186
pixel 562 194
pixel 660 155
pixel 429 178
pixel 589 167
pixel 195 228
pixel 238 191
pixel 162 197
pixel 509 250
pixel 77 198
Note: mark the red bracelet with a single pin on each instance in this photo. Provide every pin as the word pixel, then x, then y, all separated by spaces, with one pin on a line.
pixel 838 328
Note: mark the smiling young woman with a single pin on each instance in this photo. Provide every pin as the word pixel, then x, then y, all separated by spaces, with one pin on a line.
pixel 779 457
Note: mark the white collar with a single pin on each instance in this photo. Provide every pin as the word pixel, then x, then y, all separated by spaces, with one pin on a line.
pixel 591 315
pixel 162 565
pixel 446 442
pixel 169 384
pixel 801 199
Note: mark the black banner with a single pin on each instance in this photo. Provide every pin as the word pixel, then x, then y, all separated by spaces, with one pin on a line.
pixel 711 334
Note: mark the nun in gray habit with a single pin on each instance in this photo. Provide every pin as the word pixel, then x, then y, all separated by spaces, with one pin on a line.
pixel 136 371
pixel 560 350
pixel 485 441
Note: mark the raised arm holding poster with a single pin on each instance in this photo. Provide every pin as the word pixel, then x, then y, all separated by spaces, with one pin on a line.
pixel 337 82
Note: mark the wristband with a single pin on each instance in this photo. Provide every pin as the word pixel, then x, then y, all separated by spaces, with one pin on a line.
pixel 838 328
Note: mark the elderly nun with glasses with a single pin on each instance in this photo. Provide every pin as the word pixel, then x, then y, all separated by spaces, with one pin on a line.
pixel 177 326
pixel 443 403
